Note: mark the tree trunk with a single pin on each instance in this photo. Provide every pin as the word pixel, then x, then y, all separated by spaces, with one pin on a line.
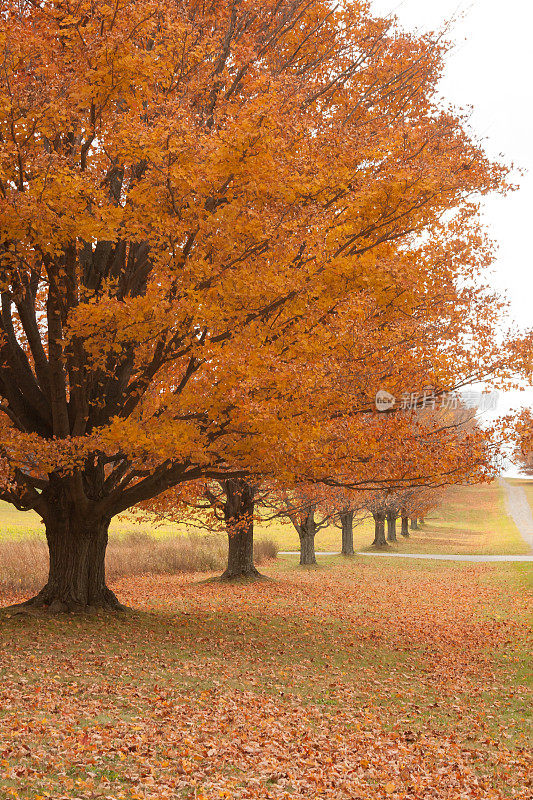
pixel 414 524
pixel 239 517
pixel 307 549
pixel 391 527
pixel 347 533
pixel 307 533
pixel 76 577
pixel 405 525
pixel 379 530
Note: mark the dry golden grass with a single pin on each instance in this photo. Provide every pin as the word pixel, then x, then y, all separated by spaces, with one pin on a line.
pixel 24 562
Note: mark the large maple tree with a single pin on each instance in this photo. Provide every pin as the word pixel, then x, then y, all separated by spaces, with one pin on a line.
pixel 179 185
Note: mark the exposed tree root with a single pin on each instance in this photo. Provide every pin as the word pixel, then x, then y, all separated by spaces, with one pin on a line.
pixel 47 603
pixel 250 576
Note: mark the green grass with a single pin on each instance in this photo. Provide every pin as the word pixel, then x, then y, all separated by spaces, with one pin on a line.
pixel 327 539
pixel 18 524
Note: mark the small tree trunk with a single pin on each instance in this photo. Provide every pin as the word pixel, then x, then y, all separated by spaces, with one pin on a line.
pixel 391 527
pixel 405 525
pixel 76 578
pixel 239 517
pixel 379 530
pixel 307 533
pixel 414 524
pixel 347 533
pixel 420 521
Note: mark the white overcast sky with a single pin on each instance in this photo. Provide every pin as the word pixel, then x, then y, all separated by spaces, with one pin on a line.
pixel 491 70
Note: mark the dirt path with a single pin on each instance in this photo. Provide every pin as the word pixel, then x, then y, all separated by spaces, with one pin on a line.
pixel 435 556
pixel 519 510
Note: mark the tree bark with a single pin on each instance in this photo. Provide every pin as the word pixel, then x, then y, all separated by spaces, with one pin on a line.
pixel 414 524
pixel 239 517
pixel 347 533
pixel 76 577
pixel 391 527
pixel 405 525
pixel 307 547
pixel 379 530
pixel 307 529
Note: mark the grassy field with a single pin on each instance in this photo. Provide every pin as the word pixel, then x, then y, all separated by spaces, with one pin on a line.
pixel 19 524
pixel 471 519
pixel 407 680
pixel 353 680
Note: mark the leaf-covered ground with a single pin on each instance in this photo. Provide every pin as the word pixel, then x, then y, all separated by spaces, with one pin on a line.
pixel 356 680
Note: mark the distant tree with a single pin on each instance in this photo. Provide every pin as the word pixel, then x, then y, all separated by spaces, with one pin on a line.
pixel 301 508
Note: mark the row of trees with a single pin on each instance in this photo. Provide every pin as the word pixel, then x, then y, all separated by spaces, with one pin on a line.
pixel 342 499
pixel 225 227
